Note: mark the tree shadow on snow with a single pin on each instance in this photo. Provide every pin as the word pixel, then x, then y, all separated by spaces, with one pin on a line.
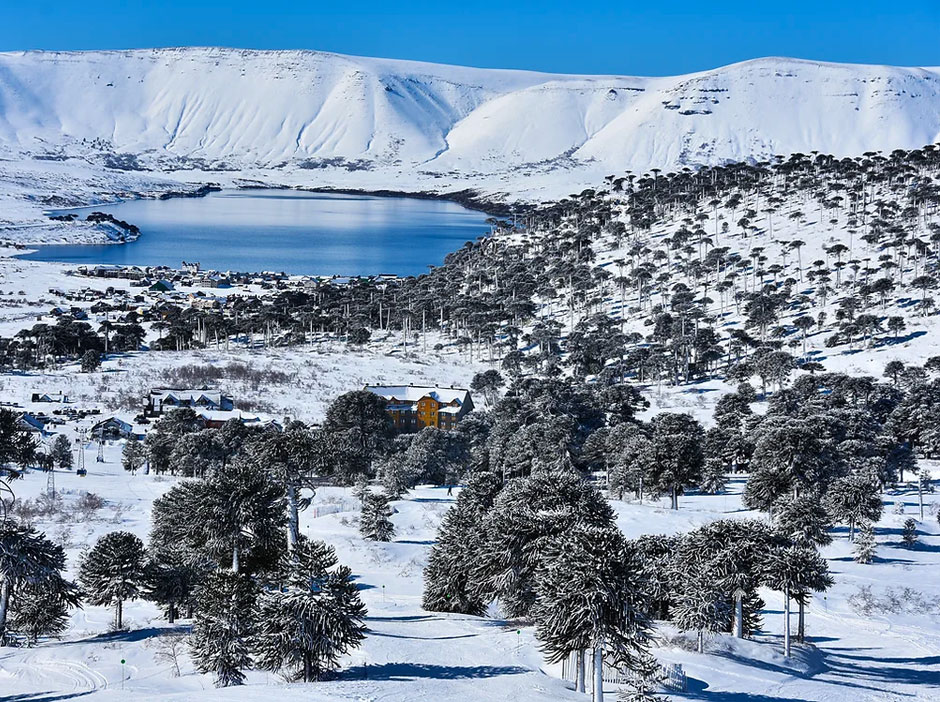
pixel 44 696
pixel 411 671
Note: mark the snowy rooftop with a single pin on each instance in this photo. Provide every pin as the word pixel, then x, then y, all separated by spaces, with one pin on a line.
pixel 413 393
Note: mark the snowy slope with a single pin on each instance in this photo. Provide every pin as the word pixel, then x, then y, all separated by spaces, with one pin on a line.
pixel 268 110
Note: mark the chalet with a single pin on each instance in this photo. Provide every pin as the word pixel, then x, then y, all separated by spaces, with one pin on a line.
pixel 49 397
pixel 164 399
pixel 413 407
pixel 112 428
pixel 33 423
pixel 162 285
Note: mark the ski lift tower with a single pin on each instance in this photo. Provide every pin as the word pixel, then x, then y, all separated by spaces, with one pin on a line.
pixel 50 477
pixel 80 440
pixel 100 457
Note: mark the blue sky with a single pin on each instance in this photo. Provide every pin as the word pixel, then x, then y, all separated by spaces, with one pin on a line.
pixel 626 37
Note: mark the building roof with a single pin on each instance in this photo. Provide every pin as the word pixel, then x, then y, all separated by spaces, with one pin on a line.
pixel 164 394
pixel 413 393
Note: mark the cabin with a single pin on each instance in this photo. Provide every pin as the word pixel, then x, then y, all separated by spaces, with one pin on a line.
pixel 413 407
pixel 164 399
pixel 112 429
pixel 56 397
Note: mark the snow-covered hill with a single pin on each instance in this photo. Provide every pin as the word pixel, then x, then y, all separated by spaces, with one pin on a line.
pixel 366 121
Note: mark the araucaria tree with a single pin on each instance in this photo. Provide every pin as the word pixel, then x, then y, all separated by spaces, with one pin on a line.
pixel 374 522
pixel 675 459
pixel 28 560
pixel 448 577
pixel 589 598
pixel 795 571
pixel 224 622
pixel 113 572
pixel 854 499
pixel 304 626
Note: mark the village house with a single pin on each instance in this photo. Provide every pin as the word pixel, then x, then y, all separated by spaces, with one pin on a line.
pixel 413 407
pixel 113 428
pixel 164 399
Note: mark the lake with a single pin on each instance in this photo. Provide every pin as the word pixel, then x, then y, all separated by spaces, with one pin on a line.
pixel 283 230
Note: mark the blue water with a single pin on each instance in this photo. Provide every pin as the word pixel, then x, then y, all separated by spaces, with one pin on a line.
pixel 284 230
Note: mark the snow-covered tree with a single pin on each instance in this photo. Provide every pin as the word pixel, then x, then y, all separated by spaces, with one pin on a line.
pixel 645 679
pixel 304 626
pixel 803 520
pixel 909 532
pixel 172 579
pixel 235 518
pixel 42 609
pixel 374 522
pixel 288 457
pixel 133 455
pixel 795 571
pixel 61 452
pixel 525 515
pixel 223 626
pixel 854 499
pixel 27 559
pixel 113 572
pixel 675 460
pixel 863 549
pixel 453 559
pixel 588 598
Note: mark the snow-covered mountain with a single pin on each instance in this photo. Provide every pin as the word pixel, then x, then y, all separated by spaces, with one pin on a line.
pixel 209 108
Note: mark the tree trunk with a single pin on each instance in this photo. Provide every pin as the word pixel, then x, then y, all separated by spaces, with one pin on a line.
pixel 171 612
pixel 801 620
pixel 700 641
pixel 675 498
pixel 119 614
pixel 739 616
pixel 308 668
pixel 786 623
pixel 599 673
pixel 580 671
pixel 5 590
pixel 235 558
pixel 293 519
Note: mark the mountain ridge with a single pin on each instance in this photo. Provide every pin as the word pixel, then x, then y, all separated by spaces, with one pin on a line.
pixel 332 119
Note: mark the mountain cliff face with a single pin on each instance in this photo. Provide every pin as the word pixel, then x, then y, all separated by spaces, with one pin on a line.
pixel 234 110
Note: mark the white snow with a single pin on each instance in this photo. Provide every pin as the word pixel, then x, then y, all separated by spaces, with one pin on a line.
pixel 320 119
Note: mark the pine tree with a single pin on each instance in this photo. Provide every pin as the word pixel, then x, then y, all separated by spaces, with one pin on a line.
pixel 374 522
pixel 701 605
pixel 854 499
pixel 588 597
pixel 114 572
pixel 26 557
pixel 171 580
pixel 909 533
pixel 675 460
pixel 133 455
pixel 803 520
pixel 42 609
pixel 864 546
pixel 644 681
pixel 794 571
pixel 316 617
pixel 223 626
pixel 448 577
pixel 713 478
pixel 526 514
pixel 62 452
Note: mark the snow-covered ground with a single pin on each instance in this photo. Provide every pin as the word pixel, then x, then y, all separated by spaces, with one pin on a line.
pixel 411 654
